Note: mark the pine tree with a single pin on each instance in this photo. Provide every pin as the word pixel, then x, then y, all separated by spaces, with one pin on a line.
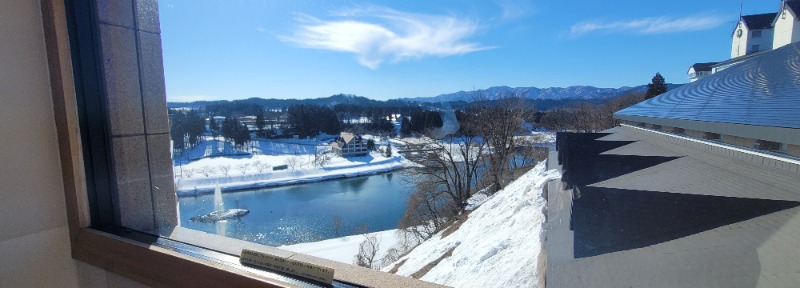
pixel 214 127
pixel 388 150
pixel 656 88
pixel 405 126
pixel 260 123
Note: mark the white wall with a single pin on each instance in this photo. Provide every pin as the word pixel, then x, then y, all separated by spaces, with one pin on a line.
pixel 739 45
pixel 787 30
pixel 34 239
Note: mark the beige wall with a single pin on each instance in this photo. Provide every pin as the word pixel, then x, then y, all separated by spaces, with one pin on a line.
pixel 34 240
pixel 793 150
pixel 740 141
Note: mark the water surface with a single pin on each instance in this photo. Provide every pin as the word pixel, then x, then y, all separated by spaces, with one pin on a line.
pixel 303 213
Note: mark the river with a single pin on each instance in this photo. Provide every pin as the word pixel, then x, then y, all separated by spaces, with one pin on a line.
pixel 306 212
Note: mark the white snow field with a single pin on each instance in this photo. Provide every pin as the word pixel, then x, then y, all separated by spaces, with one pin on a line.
pixel 499 245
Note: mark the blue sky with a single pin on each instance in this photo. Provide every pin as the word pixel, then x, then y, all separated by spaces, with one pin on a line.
pixel 236 49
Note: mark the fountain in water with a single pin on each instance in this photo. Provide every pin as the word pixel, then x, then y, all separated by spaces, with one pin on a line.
pixel 220 214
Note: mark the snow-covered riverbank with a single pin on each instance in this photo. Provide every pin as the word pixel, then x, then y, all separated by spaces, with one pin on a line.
pixel 272 163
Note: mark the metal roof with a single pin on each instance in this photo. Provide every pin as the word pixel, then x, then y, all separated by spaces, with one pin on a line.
pixel 761 91
pixel 706 66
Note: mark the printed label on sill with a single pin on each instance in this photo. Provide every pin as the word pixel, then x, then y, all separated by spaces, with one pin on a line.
pixel 288 266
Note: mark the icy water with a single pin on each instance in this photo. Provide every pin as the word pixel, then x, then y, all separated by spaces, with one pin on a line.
pixel 304 213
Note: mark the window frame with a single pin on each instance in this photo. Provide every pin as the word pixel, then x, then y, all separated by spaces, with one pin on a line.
pixel 96 237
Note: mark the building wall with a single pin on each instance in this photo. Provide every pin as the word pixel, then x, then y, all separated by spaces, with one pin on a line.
pixel 739 46
pixel 34 239
pixel 742 46
pixel 695 134
pixel 765 41
pixel 740 141
pixel 787 29
pixel 793 150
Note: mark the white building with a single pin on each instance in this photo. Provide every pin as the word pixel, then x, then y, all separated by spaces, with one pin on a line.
pixel 349 144
pixel 752 34
pixel 699 70
pixel 786 25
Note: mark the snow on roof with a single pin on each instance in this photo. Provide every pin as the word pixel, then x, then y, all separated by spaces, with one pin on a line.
pixel 347 137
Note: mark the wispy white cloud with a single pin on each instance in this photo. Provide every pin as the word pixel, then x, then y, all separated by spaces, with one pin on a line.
pixel 377 35
pixel 514 9
pixel 191 98
pixel 650 25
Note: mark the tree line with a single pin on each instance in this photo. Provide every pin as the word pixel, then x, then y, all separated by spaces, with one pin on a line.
pixel 588 117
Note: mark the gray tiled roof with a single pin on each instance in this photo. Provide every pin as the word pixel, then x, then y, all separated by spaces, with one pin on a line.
pixel 759 21
pixel 706 66
pixel 762 91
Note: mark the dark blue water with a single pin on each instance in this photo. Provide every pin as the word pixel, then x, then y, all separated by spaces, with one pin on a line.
pixel 304 213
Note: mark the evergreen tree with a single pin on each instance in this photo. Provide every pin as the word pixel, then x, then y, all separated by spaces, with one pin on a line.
pixel 405 126
pixel 213 126
pixel 260 123
pixel 388 150
pixel 656 87
pixel 370 144
pixel 229 128
pixel 241 135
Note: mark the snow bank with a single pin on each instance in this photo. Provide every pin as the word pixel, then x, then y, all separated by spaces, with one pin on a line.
pixel 304 173
pixel 344 249
pixel 499 244
pixel 539 137
pixel 211 163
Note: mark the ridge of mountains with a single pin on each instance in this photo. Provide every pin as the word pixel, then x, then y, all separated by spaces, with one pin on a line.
pixel 492 93
pixel 534 93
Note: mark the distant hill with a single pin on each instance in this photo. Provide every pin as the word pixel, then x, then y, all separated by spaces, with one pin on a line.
pixel 553 93
pixel 282 103
pixel 544 96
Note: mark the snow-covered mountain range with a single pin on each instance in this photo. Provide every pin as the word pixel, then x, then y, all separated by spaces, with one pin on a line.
pixel 555 93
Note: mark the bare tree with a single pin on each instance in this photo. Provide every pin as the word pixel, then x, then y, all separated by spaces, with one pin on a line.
pixel 499 123
pixel 452 170
pixel 293 161
pixel 391 256
pixel 243 168
pixel 368 251
pixel 320 158
pixel 205 170
pixel 188 173
pixel 558 120
pixel 261 167
pixel 225 169
pixel 427 211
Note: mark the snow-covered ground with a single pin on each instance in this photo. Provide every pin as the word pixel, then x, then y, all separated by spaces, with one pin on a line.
pixel 539 137
pixel 211 163
pixel 499 245
pixel 344 249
